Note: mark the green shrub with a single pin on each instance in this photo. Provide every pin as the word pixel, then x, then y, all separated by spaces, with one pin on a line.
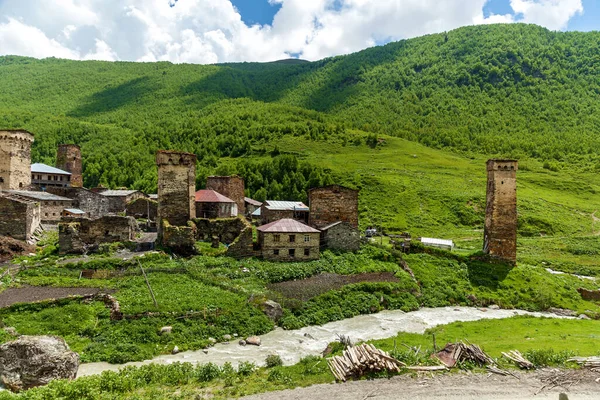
pixel 273 360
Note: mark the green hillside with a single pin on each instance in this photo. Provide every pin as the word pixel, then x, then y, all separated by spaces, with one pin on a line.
pixel 473 93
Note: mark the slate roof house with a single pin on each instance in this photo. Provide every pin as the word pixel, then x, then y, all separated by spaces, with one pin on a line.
pixel 288 240
pixel 43 175
pixel 274 210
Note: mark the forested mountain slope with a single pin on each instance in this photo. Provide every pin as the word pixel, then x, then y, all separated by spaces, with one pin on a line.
pixel 499 90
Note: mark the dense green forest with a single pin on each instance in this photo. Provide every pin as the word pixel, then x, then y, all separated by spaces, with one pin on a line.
pixel 499 90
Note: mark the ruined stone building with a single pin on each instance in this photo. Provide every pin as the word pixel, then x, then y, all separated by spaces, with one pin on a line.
pixel 80 235
pixel 333 203
pixel 340 236
pixel 44 176
pixel 211 204
pixel 19 217
pixel 15 159
pixel 231 187
pixel 500 233
pixel 176 199
pixel 274 210
pixel 94 204
pixel 142 207
pixel 68 158
pixel 51 205
pixel 118 199
pixel 251 206
pixel 288 240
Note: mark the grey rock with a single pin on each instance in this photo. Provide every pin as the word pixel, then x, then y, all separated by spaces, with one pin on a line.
pixel 175 350
pixel 272 310
pixel 212 340
pixel 562 311
pixel 253 340
pixel 205 351
pixel 242 342
pixel 583 316
pixel 494 307
pixel 308 335
pixel 166 330
pixel 11 331
pixel 31 361
pixel 226 337
pixel 235 335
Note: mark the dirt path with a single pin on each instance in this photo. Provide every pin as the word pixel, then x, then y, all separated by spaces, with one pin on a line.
pixel 30 294
pixel 450 386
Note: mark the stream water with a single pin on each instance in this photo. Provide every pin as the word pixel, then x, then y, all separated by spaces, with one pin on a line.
pixel 292 345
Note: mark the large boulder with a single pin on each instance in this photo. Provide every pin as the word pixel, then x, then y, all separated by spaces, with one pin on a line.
pixel 272 310
pixel 33 361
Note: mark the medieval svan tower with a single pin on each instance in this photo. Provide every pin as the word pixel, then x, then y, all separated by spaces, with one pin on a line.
pixel 15 159
pixel 68 158
pixel 500 233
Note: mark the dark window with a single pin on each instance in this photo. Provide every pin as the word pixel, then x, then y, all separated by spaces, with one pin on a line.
pixel 20 184
pixel 276 252
pixel 292 253
pixel 306 238
pixel 276 238
pixel 307 252
pixel 292 238
pixel 1 180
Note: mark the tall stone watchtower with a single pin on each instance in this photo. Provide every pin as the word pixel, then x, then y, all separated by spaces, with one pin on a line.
pixel 15 159
pixel 229 186
pixel 176 188
pixel 68 158
pixel 500 233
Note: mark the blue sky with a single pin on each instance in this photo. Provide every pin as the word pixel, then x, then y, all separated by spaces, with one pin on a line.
pixel 217 31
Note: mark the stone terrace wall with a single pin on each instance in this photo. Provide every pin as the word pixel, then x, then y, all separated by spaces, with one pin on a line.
pixel 78 234
pixel 342 237
pixel 226 229
pixel 331 204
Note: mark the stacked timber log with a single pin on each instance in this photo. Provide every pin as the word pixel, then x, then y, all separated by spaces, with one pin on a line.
pixel 359 360
pixel 588 362
pixel 454 352
pixel 516 357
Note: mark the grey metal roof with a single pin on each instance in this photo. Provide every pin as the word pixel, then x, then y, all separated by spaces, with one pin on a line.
pixel 331 225
pixel 256 213
pixel 252 202
pixel 287 225
pixel 118 193
pixel 74 210
pixel 43 196
pixel 286 205
pixel 39 168
pixel 434 241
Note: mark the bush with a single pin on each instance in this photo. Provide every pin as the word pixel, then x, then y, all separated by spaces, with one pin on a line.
pixel 273 360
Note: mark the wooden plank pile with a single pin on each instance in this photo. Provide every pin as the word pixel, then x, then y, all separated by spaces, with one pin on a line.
pixel 359 360
pixel 455 352
pixel 516 357
pixel 587 362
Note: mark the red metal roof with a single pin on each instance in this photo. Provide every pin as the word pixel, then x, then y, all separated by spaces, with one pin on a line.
pixel 287 225
pixel 210 196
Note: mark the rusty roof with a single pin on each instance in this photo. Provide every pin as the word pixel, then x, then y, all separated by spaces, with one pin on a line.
pixel 287 225
pixel 252 201
pixel 210 196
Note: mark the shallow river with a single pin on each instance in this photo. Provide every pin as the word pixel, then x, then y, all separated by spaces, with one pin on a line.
pixel 295 344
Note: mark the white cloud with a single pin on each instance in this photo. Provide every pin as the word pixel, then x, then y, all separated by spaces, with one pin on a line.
pixel 210 31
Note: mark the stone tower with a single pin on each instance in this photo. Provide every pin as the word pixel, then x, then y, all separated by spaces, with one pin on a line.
pixel 500 233
pixel 229 186
pixel 176 188
pixel 68 158
pixel 15 159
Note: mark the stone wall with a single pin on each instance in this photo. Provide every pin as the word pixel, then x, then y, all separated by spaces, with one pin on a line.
pixel 142 208
pixel 179 239
pixel 279 250
pixel 267 216
pixel 500 232
pixel 94 204
pixel 68 158
pixel 81 234
pixel 176 188
pixel 226 229
pixel 243 245
pixel 342 236
pixel 118 204
pixel 52 209
pixel 18 218
pixel 15 159
pixel 229 186
pixel 333 203
pixel 215 210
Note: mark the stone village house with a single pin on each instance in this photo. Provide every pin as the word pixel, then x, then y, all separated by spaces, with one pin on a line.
pixel 211 204
pixel 288 240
